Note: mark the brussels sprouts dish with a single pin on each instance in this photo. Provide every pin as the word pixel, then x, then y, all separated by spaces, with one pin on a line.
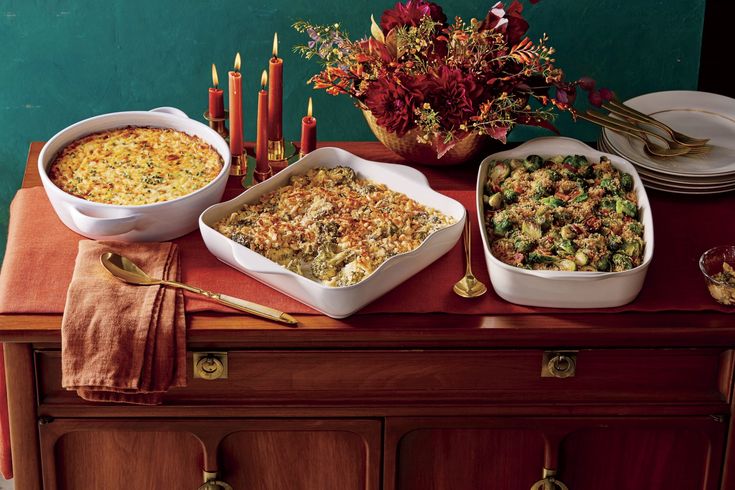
pixel 563 213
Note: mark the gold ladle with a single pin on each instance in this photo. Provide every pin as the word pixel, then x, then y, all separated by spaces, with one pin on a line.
pixel 468 286
pixel 126 270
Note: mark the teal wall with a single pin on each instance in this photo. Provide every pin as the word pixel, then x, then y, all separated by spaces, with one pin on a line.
pixel 62 61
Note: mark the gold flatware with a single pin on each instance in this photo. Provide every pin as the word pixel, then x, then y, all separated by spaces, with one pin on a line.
pixel 125 270
pixel 620 108
pixel 468 286
pixel 648 146
pixel 633 126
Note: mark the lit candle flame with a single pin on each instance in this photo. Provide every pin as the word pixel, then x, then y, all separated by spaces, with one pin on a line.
pixel 309 110
pixel 215 78
pixel 263 80
pixel 237 62
pixel 275 45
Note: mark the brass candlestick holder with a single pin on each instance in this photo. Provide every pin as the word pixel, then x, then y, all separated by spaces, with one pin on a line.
pixel 239 166
pixel 218 124
pixel 290 156
pixel 280 154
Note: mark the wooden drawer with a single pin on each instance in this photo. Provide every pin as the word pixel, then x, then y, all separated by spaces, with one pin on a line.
pixel 452 376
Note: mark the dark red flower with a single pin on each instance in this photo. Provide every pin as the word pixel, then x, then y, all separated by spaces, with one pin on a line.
pixel 411 14
pixel 510 21
pixel 392 103
pixel 451 93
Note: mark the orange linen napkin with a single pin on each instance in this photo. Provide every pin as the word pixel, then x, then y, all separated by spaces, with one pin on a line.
pixel 120 342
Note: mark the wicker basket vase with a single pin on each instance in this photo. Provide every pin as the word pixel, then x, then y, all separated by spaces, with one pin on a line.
pixel 408 147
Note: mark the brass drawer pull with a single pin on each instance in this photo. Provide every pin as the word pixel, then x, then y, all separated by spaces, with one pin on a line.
pixel 549 482
pixel 212 483
pixel 559 364
pixel 210 365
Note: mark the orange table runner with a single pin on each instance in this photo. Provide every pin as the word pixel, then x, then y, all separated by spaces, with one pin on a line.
pixel 40 258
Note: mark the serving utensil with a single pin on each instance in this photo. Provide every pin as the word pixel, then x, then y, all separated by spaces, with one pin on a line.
pixel 127 271
pixel 648 146
pixel 627 111
pixel 468 286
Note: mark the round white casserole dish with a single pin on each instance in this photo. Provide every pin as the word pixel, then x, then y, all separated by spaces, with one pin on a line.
pixel 561 289
pixel 149 222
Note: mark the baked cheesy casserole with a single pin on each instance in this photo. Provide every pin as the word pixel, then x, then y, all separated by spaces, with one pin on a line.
pixel 563 213
pixel 332 227
pixel 135 166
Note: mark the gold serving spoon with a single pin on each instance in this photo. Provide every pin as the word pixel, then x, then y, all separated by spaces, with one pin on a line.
pixel 468 286
pixel 126 270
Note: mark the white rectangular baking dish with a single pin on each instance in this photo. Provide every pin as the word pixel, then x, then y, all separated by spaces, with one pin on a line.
pixel 337 302
pixel 563 289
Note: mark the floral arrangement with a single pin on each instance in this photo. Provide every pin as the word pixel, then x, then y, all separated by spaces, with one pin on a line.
pixel 445 80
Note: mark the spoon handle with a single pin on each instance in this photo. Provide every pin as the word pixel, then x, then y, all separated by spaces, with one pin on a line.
pixel 237 303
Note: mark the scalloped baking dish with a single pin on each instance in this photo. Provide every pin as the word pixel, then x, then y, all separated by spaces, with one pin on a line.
pixel 562 289
pixel 338 302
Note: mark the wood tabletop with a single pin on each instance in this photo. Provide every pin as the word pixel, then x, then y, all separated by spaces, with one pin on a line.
pixel 418 330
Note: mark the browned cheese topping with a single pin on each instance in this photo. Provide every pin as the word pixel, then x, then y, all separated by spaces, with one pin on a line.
pixel 332 227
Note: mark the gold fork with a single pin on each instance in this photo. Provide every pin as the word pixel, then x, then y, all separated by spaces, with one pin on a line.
pixel 632 126
pixel 628 112
pixel 649 147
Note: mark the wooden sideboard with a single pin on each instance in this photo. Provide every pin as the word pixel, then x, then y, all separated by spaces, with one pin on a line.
pixel 396 402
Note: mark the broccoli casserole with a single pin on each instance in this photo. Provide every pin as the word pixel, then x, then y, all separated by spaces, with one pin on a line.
pixel 563 213
pixel 135 165
pixel 332 227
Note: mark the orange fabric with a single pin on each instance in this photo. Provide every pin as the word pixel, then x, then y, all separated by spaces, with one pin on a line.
pixel 6 463
pixel 121 342
pixel 684 228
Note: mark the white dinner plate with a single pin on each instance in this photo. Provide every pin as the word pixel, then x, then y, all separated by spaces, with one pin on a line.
pixel 663 182
pixel 697 114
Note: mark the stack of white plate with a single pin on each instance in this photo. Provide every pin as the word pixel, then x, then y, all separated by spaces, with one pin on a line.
pixel 696 114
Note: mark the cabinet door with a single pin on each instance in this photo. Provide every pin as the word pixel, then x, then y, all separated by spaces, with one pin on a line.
pixel 302 455
pixel 624 453
pixel 681 453
pixel 462 454
pixel 251 454
pixel 80 454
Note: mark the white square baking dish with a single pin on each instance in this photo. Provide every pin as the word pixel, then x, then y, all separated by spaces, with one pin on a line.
pixel 337 302
pixel 562 289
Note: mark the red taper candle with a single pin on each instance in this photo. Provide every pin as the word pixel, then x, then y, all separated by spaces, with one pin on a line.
pixel 275 94
pixel 216 97
pixel 235 97
pixel 261 142
pixel 308 132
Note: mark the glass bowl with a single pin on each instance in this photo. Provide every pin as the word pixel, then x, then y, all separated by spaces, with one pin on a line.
pixel 711 264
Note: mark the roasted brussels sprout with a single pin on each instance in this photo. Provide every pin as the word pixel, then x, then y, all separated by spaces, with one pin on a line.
pixel 499 172
pixel 568 232
pixel 611 186
pixel 626 182
pixel 531 230
pixel 602 264
pixel 634 227
pixel 510 196
pixel 632 248
pixel 566 246
pixel 495 201
pixel 580 258
pixel 539 258
pixel 533 162
pixel 581 198
pixel 623 206
pixel 522 244
pixel 566 265
pixel 575 161
pixel 554 175
pixel 608 204
pixel 502 223
pixel 542 189
pixel 621 262
pixel 543 221
pixel 614 243
pixel 553 201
